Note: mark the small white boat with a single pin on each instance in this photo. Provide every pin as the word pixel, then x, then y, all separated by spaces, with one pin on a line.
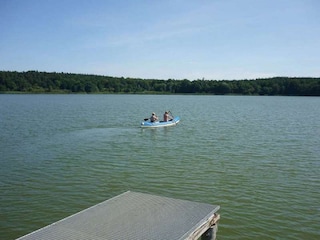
pixel 149 124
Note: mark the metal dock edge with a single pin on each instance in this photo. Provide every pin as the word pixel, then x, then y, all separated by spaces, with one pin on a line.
pixel 136 216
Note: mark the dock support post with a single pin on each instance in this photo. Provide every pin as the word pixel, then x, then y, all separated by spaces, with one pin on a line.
pixel 211 233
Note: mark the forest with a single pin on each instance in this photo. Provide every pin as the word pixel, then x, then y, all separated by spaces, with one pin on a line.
pixel 52 82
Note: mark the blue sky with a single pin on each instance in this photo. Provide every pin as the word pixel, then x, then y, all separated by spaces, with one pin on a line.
pixel 162 39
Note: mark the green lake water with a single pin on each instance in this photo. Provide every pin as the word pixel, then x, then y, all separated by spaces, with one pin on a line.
pixel 257 157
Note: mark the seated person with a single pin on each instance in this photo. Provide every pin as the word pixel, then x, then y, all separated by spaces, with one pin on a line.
pixel 167 117
pixel 153 117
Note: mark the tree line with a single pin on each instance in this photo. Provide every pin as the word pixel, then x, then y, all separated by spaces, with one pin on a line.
pixel 44 82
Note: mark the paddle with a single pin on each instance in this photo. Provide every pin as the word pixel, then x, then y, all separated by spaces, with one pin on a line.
pixel 171 115
pixel 146 119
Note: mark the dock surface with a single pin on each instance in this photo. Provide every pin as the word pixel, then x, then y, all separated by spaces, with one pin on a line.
pixel 135 216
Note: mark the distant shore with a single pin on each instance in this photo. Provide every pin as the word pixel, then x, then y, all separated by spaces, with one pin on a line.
pixel 66 83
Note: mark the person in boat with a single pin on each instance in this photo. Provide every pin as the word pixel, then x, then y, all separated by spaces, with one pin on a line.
pixel 167 117
pixel 153 117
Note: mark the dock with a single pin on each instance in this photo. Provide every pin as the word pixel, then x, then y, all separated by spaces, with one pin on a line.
pixel 136 216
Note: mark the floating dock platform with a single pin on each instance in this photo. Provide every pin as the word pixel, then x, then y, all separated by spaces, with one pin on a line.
pixel 136 216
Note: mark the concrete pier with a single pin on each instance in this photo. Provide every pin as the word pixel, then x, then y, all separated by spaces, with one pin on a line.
pixel 136 216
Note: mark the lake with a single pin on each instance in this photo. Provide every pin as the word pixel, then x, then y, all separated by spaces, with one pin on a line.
pixel 257 157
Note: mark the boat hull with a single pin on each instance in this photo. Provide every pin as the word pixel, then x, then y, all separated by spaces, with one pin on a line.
pixel 148 124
